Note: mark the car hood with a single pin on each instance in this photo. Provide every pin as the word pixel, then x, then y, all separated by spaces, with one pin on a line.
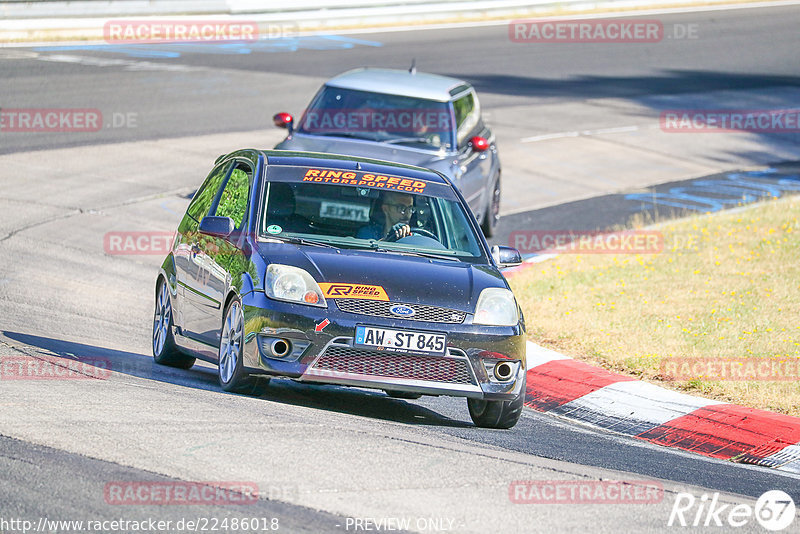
pixel 409 279
pixel 365 149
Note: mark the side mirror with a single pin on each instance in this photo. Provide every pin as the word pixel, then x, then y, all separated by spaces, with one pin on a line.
pixel 479 144
pixel 217 226
pixel 284 120
pixel 506 256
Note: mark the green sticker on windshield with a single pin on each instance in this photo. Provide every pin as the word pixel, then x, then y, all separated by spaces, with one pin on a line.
pixel 274 229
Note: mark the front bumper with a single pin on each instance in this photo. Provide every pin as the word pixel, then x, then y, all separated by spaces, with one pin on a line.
pixel 330 356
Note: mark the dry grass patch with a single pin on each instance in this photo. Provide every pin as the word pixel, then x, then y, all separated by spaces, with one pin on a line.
pixel 726 286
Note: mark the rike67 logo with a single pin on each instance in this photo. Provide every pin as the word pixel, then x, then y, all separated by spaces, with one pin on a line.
pixel 774 510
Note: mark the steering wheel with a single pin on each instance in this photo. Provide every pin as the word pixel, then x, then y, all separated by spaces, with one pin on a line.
pixel 417 230
pixel 424 232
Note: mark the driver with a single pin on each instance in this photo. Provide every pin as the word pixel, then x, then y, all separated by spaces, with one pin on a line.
pixel 397 209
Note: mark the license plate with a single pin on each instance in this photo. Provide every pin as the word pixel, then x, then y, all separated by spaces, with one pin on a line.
pixel 401 340
pixel 344 211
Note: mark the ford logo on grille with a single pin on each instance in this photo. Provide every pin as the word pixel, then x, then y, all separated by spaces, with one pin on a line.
pixel 402 311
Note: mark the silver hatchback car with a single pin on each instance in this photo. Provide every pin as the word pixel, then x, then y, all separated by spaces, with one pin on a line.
pixel 407 117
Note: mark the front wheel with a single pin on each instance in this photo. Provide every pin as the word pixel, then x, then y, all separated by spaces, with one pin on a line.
pixel 231 371
pixel 497 414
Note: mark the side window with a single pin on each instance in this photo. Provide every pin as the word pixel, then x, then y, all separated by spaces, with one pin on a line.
pixel 468 113
pixel 202 200
pixel 459 235
pixel 233 202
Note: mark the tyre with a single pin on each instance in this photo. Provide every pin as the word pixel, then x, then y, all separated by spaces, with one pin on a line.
pixel 402 394
pixel 165 352
pixel 492 215
pixel 497 414
pixel 230 371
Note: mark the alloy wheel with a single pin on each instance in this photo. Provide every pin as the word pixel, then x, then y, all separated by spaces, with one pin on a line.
pixel 231 342
pixel 161 320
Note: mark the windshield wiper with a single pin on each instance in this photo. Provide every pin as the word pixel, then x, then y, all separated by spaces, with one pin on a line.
pixel 407 140
pixel 432 255
pixel 338 134
pixel 302 241
pixel 375 245
pixel 449 255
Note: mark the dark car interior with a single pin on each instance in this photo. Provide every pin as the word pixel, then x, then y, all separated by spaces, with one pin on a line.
pixel 342 212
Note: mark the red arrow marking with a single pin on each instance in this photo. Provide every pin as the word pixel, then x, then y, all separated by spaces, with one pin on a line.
pixel 321 326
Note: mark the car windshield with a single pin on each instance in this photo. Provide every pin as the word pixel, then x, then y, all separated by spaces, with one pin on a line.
pixel 389 215
pixel 380 117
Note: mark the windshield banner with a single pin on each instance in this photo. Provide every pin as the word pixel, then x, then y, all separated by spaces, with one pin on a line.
pixel 365 179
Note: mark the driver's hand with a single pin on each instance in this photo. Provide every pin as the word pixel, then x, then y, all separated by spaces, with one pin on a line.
pixel 399 231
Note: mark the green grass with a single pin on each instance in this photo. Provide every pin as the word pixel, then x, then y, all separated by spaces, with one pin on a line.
pixel 726 286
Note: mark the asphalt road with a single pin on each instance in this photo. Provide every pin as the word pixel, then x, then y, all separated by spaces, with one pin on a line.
pixel 179 90
pixel 324 454
pixel 42 482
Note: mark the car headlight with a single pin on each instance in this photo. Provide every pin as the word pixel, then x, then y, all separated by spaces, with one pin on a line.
pixel 292 284
pixel 496 307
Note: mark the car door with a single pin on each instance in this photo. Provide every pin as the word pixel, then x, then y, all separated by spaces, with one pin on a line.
pixel 472 169
pixel 222 257
pixel 190 262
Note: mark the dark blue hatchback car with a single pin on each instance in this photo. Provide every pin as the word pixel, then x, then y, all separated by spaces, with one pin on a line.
pixel 341 270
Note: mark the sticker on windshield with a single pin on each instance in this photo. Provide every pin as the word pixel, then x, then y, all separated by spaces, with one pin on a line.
pixel 353 291
pixel 344 211
pixel 274 229
pixel 380 181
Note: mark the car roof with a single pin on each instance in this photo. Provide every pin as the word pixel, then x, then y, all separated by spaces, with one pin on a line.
pixel 400 82
pixel 336 161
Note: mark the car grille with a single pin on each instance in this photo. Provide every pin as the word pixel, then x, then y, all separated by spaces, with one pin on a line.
pixel 348 360
pixel 379 308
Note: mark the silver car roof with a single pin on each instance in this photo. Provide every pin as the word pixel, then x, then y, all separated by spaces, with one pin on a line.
pixel 400 82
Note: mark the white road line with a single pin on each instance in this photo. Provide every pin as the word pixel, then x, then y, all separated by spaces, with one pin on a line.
pixel 635 11
pixel 113 62
pixel 584 133
pixel 126 64
pixel 611 12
